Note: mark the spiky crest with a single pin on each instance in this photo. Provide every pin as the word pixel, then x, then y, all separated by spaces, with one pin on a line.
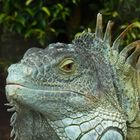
pixel 107 36
pixel 119 39
pixel 99 27
pixel 86 37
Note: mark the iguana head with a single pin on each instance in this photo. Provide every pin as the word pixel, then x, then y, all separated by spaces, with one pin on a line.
pixel 74 89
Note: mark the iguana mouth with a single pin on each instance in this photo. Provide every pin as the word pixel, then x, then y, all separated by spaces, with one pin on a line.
pixel 14 84
pixel 54 91
pixel 19 92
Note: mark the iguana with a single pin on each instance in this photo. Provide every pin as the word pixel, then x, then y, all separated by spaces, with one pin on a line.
pixel 85 90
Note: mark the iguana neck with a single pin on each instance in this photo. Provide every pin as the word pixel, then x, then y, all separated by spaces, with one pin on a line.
pixel 89 124
pixel 31 125
pixel 35 126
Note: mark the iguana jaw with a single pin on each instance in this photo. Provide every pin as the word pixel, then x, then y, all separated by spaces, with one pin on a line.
pixel 49 102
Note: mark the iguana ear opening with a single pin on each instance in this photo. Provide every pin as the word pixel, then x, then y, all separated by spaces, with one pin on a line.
pixel 99 27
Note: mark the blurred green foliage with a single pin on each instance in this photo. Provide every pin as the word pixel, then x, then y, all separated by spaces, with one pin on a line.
pixel 33 18
pixel 43 19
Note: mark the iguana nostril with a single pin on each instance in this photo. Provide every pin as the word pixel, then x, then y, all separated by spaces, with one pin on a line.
pixel 112 135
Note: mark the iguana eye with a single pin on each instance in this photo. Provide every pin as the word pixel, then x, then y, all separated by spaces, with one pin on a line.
pixel 67 66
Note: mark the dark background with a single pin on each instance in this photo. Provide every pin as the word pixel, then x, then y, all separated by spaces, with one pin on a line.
pixel 37 23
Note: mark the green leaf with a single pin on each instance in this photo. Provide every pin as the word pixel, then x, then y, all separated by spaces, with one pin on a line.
pixel 18 28
pixel 28 33
pixel 2 16
pixel 37 32
pixel 28 2
pixel 21 19
pixel 136 24
pixel 42 42
pixel 43 24
pixel 75 1
pixel 46 10
pixel 40 33
pixel 65 14
pixel 52 30
pixel 9 18
pixel 60 6
pixel 133 35
pixel 34 23
pixel 30 11
pixel 115 14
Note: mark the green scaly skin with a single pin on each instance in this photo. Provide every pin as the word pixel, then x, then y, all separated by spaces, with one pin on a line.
pixel 86 90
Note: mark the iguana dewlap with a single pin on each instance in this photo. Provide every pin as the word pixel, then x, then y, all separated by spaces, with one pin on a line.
pixel 85 90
